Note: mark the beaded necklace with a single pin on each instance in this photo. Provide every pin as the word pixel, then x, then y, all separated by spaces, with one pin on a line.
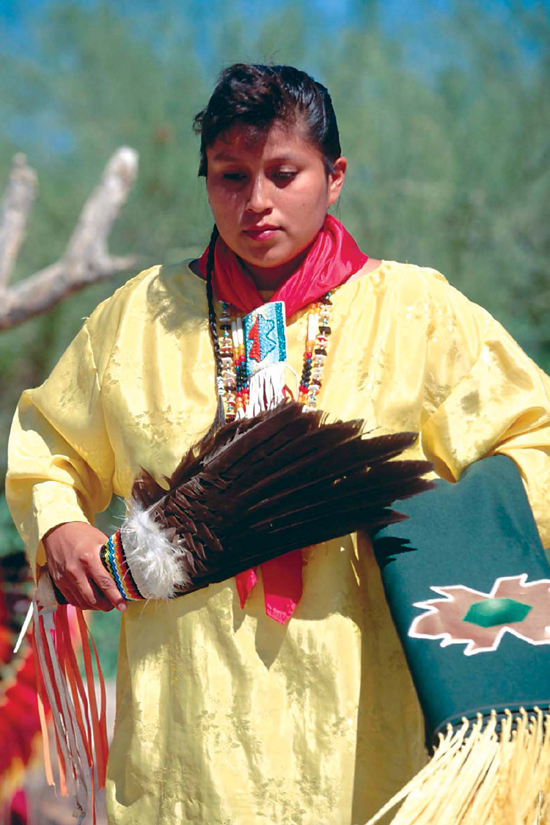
pixel 234 377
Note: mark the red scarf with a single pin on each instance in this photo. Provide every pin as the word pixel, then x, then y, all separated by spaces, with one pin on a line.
pixel 331 260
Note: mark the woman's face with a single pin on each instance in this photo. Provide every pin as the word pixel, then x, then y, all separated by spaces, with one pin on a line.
pixel 269 197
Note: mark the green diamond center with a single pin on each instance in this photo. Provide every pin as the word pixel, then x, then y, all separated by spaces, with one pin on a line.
pixel 491 612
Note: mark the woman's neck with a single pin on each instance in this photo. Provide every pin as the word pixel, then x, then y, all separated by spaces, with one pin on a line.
pixel 271 278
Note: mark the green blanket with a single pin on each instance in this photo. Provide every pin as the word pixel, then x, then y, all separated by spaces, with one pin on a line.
pixel 481 640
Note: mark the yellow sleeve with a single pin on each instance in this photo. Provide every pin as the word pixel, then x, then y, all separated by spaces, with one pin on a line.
pixel 60 461
pixel 499 404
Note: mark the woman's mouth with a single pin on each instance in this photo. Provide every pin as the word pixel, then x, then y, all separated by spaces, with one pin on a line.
pixel 261 233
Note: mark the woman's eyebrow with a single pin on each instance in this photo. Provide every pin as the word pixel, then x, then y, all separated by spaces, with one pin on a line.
pixel 293 158
pixel 225 156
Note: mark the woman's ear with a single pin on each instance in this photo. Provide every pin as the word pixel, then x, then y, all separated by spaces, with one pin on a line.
pixel 336 180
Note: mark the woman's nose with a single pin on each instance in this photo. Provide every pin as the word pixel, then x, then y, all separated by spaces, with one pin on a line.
pixel 258 196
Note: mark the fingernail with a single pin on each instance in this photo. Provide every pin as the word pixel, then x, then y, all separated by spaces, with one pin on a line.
pixel 121 607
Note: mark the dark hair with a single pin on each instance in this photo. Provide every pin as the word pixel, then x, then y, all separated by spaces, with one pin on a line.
pixel 256 96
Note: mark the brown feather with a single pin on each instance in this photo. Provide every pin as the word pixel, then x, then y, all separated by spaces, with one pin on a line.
pixel 285 479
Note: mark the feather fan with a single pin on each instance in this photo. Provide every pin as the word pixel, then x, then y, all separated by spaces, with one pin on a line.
pixel 257 489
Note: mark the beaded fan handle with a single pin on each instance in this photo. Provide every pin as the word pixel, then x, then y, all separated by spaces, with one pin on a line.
pixel 114 560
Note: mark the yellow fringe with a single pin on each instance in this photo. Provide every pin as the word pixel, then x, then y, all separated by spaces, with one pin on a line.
pixel 479 775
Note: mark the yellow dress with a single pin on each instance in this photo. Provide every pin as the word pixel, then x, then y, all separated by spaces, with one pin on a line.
pixel 225 717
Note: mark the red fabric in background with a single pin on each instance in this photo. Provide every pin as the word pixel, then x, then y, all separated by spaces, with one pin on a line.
pixel 19 808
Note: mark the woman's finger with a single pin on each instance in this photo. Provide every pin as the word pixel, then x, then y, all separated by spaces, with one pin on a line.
pixel 102 602
pixel 72 597
pixel 78 588
pixel 105 583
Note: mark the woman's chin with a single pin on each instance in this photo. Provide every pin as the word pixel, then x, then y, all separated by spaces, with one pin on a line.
pixel 272 257
pixel 266 259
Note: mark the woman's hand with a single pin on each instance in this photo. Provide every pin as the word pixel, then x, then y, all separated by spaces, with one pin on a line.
pixel 72 554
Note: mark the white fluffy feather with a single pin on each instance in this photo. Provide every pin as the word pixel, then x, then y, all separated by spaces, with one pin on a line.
pixel 153 560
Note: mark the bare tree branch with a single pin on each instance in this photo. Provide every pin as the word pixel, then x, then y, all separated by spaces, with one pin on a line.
pixel 86 259
pixel 14 215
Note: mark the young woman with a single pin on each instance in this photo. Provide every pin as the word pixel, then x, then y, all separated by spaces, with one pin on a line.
pixel 285 700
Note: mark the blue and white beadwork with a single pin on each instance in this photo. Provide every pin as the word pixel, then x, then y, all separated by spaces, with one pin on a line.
pixel 265 337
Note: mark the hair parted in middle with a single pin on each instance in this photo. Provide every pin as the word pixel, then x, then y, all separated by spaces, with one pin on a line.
pixel 256 96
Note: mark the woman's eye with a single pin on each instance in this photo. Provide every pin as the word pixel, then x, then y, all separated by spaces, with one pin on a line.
pixel 284 174
pixel 234 176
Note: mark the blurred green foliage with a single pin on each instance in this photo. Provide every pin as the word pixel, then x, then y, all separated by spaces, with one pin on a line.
pixel 448 165
pixel 10 541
